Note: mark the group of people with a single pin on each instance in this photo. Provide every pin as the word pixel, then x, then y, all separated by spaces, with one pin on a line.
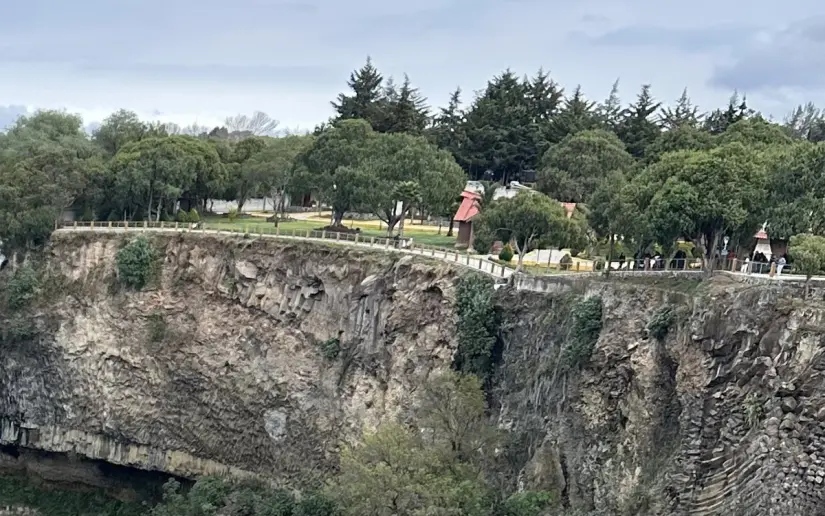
pixel 761 264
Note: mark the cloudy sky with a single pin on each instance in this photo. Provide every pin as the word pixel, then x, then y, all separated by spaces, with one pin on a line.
pixel 200 60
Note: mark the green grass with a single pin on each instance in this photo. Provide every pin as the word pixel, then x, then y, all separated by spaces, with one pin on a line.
pixel 20 491
pixel 419 235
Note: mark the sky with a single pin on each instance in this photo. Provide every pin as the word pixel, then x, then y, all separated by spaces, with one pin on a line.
pixel 198 61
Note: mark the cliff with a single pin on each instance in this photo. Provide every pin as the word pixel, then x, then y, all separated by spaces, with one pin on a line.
pixel 696 398
pixel 219 367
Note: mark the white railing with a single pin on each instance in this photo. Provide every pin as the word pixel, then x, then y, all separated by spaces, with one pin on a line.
pixel 403 245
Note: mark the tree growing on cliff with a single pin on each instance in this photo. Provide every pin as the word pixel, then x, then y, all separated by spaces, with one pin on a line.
pixel 476 326
pixel 808 254
pixel 136 263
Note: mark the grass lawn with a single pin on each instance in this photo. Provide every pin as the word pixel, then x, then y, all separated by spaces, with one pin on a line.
pixel 426 235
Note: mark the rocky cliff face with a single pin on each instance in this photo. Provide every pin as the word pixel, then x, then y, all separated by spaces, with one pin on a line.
pixel 723 415
pixel 221 367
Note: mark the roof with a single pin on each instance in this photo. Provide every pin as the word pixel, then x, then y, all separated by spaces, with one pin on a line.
pixel 468 208
pixel 761 235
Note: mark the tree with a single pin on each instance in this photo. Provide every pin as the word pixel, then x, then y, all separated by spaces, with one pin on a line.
pixel 578 114
pixel 611 213
pixel 407 112
pixel 393 473
pixel 46 166
pixel 365 102
pixel 524 220
pixel 453 409
pixel 636 129
pixel 755 131
pixel 333 163
pixel 572 169
pixel 808 254
pixel 441 184
pixel 610 111
pixel 151 174
pixel 715 191
pixel 276 168
pixel 118 129
pixel 684 114
pixel 244 178
pixel 681 137
pixel 259 124
pixel 718 121
pixel 448 131
pixel 795 190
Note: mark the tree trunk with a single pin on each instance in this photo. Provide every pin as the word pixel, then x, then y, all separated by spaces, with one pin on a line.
pixel 520 262
pixel 609 256
pixel 450 228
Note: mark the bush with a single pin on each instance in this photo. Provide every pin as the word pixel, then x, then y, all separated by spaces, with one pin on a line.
pixel 587 326
pixel 114 216
pixel 566 263
pixel 194 217
pixel 506 253
pixel 136 263
pixel 21 288
pixel 330 348
pixel 526 503
pixel 233 214
pixel 182 216
pixel 477 325
pixel 661 322
pixel 157 326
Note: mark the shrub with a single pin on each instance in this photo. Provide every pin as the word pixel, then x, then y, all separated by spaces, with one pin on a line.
pixel 661 322
pixel 22 287
pixel 506 253
pixel 136 263
pixel 114 216
pixel 157 326
pixel 233 214
pixel 526 503
pixel 330 348
pixel 194 217
pixel 587 326
pixel 182 216
pixel 477 324
pixel 566 262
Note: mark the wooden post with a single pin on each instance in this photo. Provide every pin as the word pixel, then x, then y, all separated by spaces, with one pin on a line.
pixel 773 270
pixel 126 225
pixel 338 236
pixel 549 256
pixel 468 257
pixel 323 234
pixel 75 224
pixel 308 232
pixel 372 241
pixel 177 226
pixel 578 264
pixel 110 224
pixel 145 224
pixel 456 255
pixel 356 237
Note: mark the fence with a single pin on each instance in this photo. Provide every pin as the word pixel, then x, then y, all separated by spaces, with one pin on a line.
pixel 402 245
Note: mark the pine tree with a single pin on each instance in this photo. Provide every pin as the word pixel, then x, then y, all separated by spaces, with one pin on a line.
pixel 408 111
pixel 684 114
pixel 718 121
pixel 637 130
pixel 448 131
pixel 610 111
pixel 544 97
pixel 365 103
pixel 578 114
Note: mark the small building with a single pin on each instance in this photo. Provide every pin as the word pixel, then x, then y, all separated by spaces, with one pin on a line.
pixel 468 209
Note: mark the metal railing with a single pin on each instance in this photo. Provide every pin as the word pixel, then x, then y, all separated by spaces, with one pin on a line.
pixel 404 245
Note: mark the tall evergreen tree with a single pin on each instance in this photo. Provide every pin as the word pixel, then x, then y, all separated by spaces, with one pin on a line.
pixel 407 110
pixel 365 102
pixel 501 137
pixel 718 121
pixel 685 113
pixel 544 97
pixel 637 130
pixel 448 131
pixel 578 114
pixel 610 111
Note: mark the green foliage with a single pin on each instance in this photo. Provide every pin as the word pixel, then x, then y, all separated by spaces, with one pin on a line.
pixel 136 263
pixel 182 216
pixel 661 323
pixel 194 217
pixel 526 503
pixel 566 262
pixel 21 288
pixel 754 410
pixel 18 327
pixel 330 348
pixel 506 253
pixel 585 331
pixel 23 492
pixel 232 214
pixel 477 325
pixel 527 219
pixel 216 496
pixel 808 253
pixel 156 326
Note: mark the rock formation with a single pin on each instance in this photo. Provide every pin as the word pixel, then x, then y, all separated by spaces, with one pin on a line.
pixel 259 358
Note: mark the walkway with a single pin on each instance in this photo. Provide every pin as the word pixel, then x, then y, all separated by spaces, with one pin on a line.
pixel 475 262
